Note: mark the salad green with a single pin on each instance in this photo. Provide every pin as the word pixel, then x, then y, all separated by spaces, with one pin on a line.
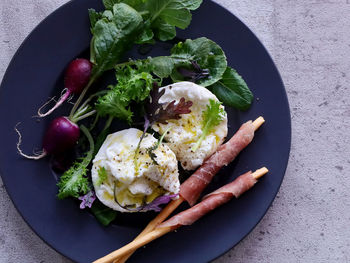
pixel 116 29
pixel 74 182
pixel 232 90
pixel 212 117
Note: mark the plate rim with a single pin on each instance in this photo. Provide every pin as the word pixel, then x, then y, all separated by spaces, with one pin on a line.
pixel 285 95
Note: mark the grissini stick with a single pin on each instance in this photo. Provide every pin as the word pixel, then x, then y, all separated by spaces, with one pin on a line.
pixel 194 185
pixel 189 216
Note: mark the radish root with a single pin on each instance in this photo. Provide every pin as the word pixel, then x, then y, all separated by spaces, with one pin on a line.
pixel 36 156
pixel 65 94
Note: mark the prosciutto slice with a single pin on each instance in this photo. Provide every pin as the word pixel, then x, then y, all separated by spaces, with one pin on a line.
pixel 212 201
pixel 192 188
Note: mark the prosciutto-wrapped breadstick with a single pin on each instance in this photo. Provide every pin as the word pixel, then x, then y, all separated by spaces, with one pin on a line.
pixel 214 199
pixel 189 216
pixel 191 189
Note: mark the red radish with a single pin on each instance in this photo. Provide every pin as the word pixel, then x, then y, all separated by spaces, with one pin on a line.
pixel 62 134
pixel 77 76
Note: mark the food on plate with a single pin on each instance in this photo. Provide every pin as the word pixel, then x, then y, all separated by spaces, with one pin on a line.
pixel 195 184
pixel 213 200
pixel 197 135
pixel 133 170
pixel 188 115
pixel 190 189
pixel 61 135
pixel 128 181
pixel 189 216
pixel 76 77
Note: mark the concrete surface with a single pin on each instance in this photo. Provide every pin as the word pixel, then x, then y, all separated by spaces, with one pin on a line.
pixel 310 218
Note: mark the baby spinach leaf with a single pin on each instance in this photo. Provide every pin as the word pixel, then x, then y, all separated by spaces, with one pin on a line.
pixel 112 37
pixel 232 90
pixel 147 35
pixel 94 17
pixel 133 3
pixel 162 66
pixel 170 11
pixel 103 214
pixel 162 16
pixel 162 30
pixel 206 53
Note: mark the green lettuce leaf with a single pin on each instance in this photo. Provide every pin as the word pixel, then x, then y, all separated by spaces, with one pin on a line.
pixel 206 53
pixel 232 90
pixel 103 214
pixel 113 36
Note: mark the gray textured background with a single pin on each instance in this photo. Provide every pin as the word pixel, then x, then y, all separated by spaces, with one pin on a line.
pixel 310 219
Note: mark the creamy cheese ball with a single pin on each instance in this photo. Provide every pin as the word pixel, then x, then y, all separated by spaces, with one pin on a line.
pixel 133 182
pixel 184 133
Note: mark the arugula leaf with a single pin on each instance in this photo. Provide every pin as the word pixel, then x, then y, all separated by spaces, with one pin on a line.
pixel 103 214
pixel 206 53
pixel 74 181
pixel 212 117
pixel 113 36
pixel 233 90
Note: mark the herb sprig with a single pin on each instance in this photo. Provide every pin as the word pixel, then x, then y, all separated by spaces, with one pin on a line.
pixel 212 117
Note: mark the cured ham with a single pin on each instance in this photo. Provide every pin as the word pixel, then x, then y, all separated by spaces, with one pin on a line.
pixel 189 216
pixel 192 188
pixel 212 201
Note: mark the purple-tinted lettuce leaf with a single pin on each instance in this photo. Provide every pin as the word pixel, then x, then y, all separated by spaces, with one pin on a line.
pixel 87 200
pixel 155 204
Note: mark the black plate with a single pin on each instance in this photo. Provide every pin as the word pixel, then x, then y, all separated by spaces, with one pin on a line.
pixel 35 73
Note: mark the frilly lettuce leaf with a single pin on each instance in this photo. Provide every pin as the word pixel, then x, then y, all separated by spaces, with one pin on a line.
pixel 74 182
pixel 133 85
